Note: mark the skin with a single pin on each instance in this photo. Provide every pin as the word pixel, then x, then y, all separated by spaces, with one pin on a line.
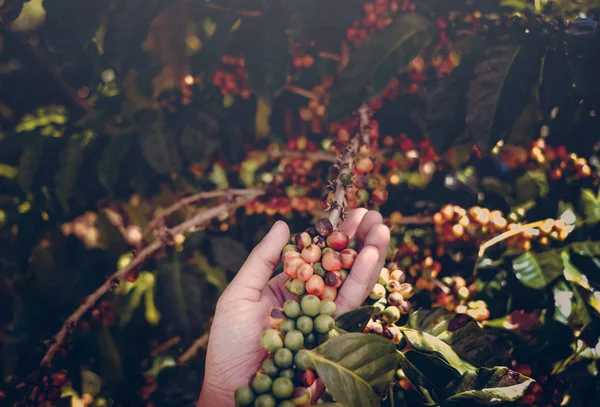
pixel 234 352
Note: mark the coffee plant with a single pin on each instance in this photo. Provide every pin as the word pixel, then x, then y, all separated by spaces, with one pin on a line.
pixel 146 147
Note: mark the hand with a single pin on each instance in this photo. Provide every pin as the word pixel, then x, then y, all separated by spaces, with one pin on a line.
pixel 234 352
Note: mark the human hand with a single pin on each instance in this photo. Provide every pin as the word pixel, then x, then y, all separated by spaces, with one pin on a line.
pixel 234 350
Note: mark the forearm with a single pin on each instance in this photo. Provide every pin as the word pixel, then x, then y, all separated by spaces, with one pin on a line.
pixel 211 396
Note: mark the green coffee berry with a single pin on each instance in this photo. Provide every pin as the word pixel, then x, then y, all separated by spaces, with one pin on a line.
pixel 304 324
pixel 282 388
pixel 302 360
pixel 270 368
pixel 324 323
pixel 391 314
pixel 286 326
pixel 297 287
pixel 244 396
pixel 301 396
pixel 271 340
pixel 291 309
pixel 284 358
pixel 311 305
pixel 377 292
pixel 286 403
pixel 265 400
pixel 319 270
pixel 310 340
pixel 294 340
pixel 328 307
pixel 261 383
pixel 289 373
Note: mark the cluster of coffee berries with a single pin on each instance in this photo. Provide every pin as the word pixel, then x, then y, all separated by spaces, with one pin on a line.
pixel 378 15
pixel 39 390
pixel 286 374
pixel 390 298
pixel 318 260
pixel 477 225
pixel 231 77
pixel 315 110
pixel 84 228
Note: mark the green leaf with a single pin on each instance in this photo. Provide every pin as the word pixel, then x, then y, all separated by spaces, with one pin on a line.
pixel 356 367
pixel 266 54
pixel 489 387
pixel 159 151
pixel 428 343
pixel 228 253
pixel 29 163
pixel 500 90
pixel 470 341
pixel 569 305
pixel 355 320
pixel 70 160
pixel 431 393
pixel 376 61
pixel 433 367
pixel 538 270
pixel 199 139
pixel 590 206
pixel 531 185
pixel 113 155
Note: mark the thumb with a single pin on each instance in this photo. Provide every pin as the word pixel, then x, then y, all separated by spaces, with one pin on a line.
pixel 258 268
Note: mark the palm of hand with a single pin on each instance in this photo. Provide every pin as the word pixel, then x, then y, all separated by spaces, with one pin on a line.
pixel 234 351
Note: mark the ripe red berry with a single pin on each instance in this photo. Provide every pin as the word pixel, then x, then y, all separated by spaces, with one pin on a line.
pixel 311 254
pixel 348 256
pixel 305 272
pixel 334 279
pixel 337 240
pixel 332 261
pixel 315 285
pixel 306 378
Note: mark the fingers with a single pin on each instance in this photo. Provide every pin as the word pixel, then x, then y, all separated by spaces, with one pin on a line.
pixel 365 270
pixel 370 219
pixel 351 223
pixel 258 268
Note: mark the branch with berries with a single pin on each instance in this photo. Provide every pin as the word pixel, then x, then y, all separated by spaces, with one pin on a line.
pixel 164 238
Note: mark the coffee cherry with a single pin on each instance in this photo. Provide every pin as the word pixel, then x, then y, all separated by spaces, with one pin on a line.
pixel 324 227
pixel 305 272
pixel 393 333
pixel 320 242
pixel 406 290
pixel 315 286
pixel 398 275
pixel 305 324
pixel 393 286
pixel 288 373
pixel 290 248
pixel 244 396
pixel 282 388
pixel 286 403
pixel 337 240
pixel 377 292
pixel 294 340
pixel 324 323
pixel 265 400
pixel 334 279
pixel 284 358
pixel 379 306
pixel 395 299
pixel 271 340
pixel 311 254
pixel 306 378
pixel 384 276
pixel 390 315
pixel 270 368
pixel 303 240
pixel 330 293
pixel 328 307
pixel 348 257
pixel 346 178
pixel 404 307
pixel 297 287
pixel 310 305
pixel 261 383
pixel 376 328
pixel 302 360
pixel 310 340
pixel 286 326
pixel 58 378
pixel 276 317
pixel 301 396
pixel 291 308
pixel 332 261
pixel 319 270
pixel 290 267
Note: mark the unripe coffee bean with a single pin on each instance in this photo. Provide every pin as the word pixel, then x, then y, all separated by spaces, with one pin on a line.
pixel 288 373
pixel 337 240
pixel 390 315
pixel 244 396
pixel 398 275
pixel 305 324
pixel 270 368
pixel 324 324
pixel 284 358
pixel 297 287
pixel 302 360
pixel 290 248
pixel 327 307
pixel 384 277
pixel 265 400
pixel 286 326
pixel 393 286
pixel 310 305
pixel 377 292
pixel 261 383
pixel 324 227
pixel 282 388
pixel 286 403
pixel 294 340
pixel 271 340
pixel 310 340
pixel 292 309
pixel 319 270
pixel 406 290
pixel 301 396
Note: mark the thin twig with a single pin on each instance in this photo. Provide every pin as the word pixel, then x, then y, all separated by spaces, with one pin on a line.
pixel 308 155
pixel 416 220
pixel 349 153
pixel 200 219
pixel 302 92
pixel 193 350
pixel 247 13
pixel 165 346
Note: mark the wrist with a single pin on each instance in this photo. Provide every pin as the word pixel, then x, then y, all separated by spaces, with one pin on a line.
pixel 212 396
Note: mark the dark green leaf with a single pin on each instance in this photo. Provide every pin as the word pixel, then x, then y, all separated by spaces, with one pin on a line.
pixel 531 185
pixel 590 206
pixel 29 163
pixel 431 393
pixel 569 305
pixel 228 253
pixel 376 61
pixel 109 164
pixel 538 270
pixel 555 86
pixel 433 367
pixel 356 367
pixel 356 320
pixel 500 90
pixel 266 54
pixel 199 139
pixel 489 387
pixel 160 153
pixel 70 160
